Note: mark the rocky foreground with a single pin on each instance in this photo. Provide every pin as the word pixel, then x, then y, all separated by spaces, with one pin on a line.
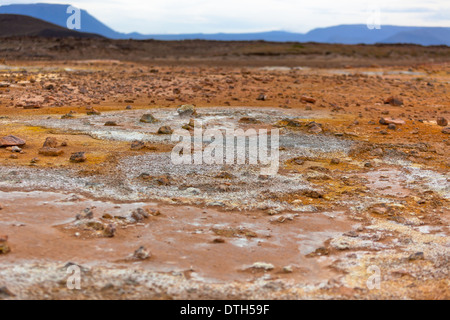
pixel 359 208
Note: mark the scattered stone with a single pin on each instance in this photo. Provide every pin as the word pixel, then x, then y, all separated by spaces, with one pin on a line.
pixel 186 110
pixel 441 121
pixel 218 240
pixel 78 157
pixel 315 128
pixel 351 234
pixel 110 124
pixel 193 191
pixel 387 121
pixel 51 152
pixel 163 180
pixel 14 156
pixel 394 101
pixel 249 120
pixel 152 212
pixel 446 130
pixel 90 111
pixel 321 251
pixel 165 130
pixel 377 152
pixel 380 209
pixel 16 149
pixel 137 145
pixel 392 126
pixel 335 161
pixel 50 142
pixel 87 214
pixel 288 269
pixel 11 141
pixel 148 118
pixel 141 254
pixel 5 292
pixel 49 86
pixel 262 97
pixel 225 175
pixel 313 194
pixel 189 126
pixel 110 231
pixel 139 215
pixel 4 247
pixel 306 99
pixel 67 116
pixel 262 266
pixel 129 107
pixel 416 256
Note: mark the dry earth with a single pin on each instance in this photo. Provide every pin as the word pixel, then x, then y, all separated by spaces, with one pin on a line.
pixel 355 197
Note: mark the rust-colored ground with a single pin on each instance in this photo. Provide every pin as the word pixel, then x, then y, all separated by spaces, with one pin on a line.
pixel 319 229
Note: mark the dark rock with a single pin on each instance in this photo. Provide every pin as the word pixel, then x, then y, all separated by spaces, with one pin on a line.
pixel 141 254
pixel 416 256
pixel 335 161
pixel 394 101
pixel 442 122
pixel 315 128
pixel 392 126
pixel 306 99
pixel 87 214
pixel 137 145
pixel 78 157
pixel 10 141
pixel 90 111
pixel 5 292
pixel 50 142
pixel 186 110
pixel 249 120
pixel 165 130
pixel 110 230
pixel 4 247
pixel 262 97
pixel 148 118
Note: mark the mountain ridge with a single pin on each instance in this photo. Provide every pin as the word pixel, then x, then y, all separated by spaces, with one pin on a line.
pixel 343 34
pixel 13 25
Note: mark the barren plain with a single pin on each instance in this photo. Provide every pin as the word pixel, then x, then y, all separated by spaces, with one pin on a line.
pixel 359 208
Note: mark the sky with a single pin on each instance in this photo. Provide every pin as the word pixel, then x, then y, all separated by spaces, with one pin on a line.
pixel 211 16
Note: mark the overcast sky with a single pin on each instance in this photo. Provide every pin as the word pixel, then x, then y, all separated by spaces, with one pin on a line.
pixel 210 16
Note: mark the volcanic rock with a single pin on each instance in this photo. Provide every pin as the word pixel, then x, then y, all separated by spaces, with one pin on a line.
pixel 442 122
pixel 10 141
pixel 148 118
pixel 186 110
pixel 78 157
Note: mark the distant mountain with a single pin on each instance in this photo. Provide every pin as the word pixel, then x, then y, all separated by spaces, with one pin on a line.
pixel 57 14
pixel 12 25
pixel 345 34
